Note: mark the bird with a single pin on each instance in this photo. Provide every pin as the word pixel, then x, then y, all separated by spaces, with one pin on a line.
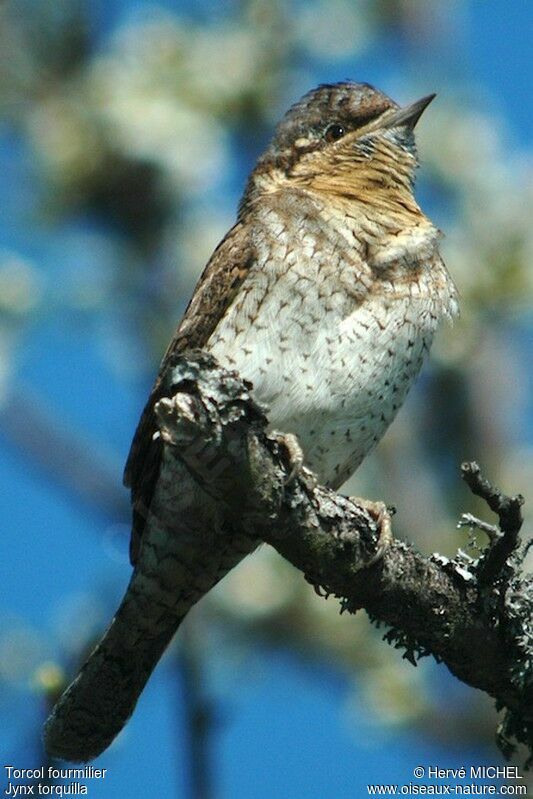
pixel 325 295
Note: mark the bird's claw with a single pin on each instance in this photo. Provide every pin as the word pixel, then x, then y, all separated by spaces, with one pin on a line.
pixel 293 454
pixel 382 515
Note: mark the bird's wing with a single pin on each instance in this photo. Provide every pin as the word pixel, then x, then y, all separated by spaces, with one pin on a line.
pixel 214 293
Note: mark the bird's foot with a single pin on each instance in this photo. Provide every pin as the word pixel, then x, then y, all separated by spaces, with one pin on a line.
pixel 293 454
pixel 382 515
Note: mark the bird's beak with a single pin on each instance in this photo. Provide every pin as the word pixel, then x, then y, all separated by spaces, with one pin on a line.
pixel 408 116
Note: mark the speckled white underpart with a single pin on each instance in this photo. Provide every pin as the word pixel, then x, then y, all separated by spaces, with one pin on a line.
pixel 332 346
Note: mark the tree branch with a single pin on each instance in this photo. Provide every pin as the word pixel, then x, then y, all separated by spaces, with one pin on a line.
pixel 473 615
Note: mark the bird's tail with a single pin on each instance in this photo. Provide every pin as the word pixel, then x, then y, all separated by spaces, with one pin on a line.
pixel 99 702
pixel 97 705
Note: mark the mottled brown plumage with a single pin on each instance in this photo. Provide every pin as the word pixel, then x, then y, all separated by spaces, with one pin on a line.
pixel 326 294
pixel 217 287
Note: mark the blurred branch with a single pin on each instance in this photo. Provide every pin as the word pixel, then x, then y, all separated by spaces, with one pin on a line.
pixel 61 454
pixel 198 712
pixel 433 605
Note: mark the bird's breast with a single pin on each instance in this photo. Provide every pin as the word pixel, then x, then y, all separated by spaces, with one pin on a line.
pixel 330 346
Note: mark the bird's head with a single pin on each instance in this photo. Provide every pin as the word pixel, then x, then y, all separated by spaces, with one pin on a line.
pixel 345 139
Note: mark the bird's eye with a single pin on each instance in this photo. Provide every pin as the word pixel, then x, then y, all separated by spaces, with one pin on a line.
pixel 334 131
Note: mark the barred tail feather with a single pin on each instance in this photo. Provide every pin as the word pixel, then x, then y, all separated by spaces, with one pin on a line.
pixel 97 705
